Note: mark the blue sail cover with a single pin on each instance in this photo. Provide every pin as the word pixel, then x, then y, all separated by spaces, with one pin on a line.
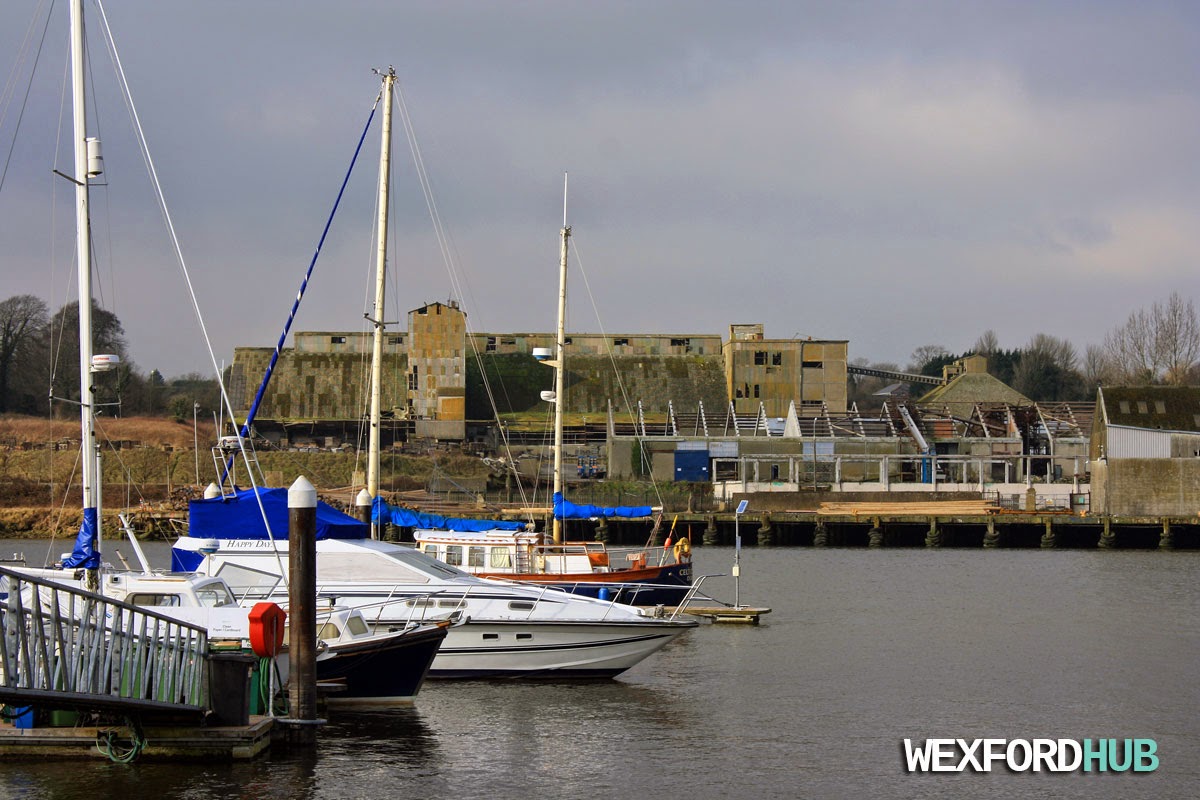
pixel 565 509
pixel 83 554
pixel 238 517
pixel 382 513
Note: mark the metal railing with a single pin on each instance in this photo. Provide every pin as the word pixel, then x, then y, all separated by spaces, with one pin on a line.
pixel 67 647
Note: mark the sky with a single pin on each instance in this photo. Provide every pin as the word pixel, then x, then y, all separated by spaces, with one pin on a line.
pixel 895 174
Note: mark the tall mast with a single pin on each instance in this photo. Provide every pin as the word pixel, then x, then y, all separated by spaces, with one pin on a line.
pixel 389 78
pixel 559 354
pixel 83 257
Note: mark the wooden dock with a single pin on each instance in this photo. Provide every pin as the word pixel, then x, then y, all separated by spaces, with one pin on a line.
pixel 155 742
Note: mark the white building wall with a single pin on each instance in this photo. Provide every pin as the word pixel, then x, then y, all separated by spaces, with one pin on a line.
pixel 1138 443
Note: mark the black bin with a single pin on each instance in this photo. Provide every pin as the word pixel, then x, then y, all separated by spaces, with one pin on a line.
pixel 229 687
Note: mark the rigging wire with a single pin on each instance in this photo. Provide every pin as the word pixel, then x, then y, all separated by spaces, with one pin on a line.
pixel 612 359
pixel 448 251
pixel 10 86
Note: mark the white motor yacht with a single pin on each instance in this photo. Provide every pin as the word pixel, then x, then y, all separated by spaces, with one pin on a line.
pixel 506 629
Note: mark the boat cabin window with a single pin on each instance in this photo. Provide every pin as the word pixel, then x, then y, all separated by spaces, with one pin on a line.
pixel 420 563
pixel 329 631
pixel 500 558
pixel 215 595
pixel 453 555
pixel 418 602
pixel 475 556
pixel 249 581
pixel 154 600
pixel 357 626
pixel 430 550
pixel 520 605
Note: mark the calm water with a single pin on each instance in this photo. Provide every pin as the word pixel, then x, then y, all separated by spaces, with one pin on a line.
pixel 862 649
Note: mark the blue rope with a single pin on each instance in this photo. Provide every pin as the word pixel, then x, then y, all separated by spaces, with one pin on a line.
pixel 300 295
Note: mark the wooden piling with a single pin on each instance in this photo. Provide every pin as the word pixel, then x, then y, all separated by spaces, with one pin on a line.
pixel 301 727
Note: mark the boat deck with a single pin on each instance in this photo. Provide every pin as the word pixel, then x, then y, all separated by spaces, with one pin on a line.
pixel 744 615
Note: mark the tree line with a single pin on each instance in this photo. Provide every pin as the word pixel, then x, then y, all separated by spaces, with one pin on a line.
pixel 1159 345
pixel 39 367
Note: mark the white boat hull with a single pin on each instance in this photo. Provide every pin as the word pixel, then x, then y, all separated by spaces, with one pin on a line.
pixel 505 629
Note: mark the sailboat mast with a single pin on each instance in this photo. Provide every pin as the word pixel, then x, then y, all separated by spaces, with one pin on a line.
pixel 560 396
pixel 87 398
pixel 389 79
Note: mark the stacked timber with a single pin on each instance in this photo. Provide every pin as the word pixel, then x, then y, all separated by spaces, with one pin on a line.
pixel 940 508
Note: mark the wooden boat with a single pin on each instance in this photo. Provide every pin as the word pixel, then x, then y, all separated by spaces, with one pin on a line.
pixel 641 576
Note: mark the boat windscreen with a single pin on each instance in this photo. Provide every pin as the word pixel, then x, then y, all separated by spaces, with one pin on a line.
pixel 418 561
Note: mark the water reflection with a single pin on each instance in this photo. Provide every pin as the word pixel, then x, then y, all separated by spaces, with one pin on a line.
pixel 862 649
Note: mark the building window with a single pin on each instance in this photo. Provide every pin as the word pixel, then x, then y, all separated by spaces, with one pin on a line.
pixel 1124 406
pixel 1143 408
pixel 337 339
pixel 567 341
pixel 490 347
pixel 681 342
pixel 620 342
pixel 1160 406
pixel 756 390
pixel 396 340
pixel 760 358
pixel 812 364
pixel 777 359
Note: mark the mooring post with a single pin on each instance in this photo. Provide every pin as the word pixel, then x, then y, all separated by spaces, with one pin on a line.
pixel 710 532
pixel 875 535
pixel 934 537
pixel 1049 540
pixel 1108 539
pixel 1167 540
pixel 992 537
pixel 602 530
pixel 766 536
pixel 362 506
pixel 302 725
pixel 820 535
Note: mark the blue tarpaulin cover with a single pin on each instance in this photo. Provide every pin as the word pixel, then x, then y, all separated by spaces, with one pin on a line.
pixel 84 554
pixel 238 517
pixel 407 518
pixel 565 509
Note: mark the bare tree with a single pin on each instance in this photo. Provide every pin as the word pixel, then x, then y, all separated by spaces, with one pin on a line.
pixel 925 355
pixel 1157 345
pixel 1177 338
pixel 987 343
pixel 23 320
pixel 1098 368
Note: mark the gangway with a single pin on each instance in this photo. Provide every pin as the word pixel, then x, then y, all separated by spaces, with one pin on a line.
pixel 66 648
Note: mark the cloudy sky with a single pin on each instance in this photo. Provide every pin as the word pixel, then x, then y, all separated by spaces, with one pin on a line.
pixel 894 174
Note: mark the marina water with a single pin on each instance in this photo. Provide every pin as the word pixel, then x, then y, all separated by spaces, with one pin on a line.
pixel 862 650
